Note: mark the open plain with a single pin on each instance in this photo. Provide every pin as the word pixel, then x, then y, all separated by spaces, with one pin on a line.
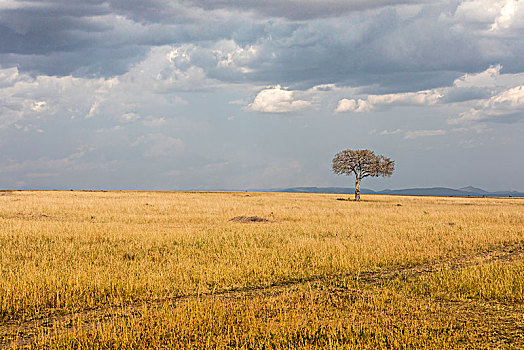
pixel 172 270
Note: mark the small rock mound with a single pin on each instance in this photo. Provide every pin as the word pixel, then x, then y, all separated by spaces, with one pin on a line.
pixel 249 219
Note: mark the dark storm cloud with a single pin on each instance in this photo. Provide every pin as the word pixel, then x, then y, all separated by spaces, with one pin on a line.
pixel 85 62
pixel 54 37
pixel 385 52
pixel 48 28
pixel 96 38
pixel 153 11
pixel 300 10
pixel 298 43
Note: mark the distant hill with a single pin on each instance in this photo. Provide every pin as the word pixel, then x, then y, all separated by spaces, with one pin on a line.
pixel 431 191
pixel 472 189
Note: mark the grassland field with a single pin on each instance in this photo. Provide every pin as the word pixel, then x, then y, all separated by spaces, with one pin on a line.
pixel 167 270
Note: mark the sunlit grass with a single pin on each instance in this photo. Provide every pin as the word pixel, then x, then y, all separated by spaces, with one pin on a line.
pixel 71 251
pixel 501 282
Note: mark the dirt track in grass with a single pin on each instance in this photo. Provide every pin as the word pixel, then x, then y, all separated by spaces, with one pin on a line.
pixel 505 322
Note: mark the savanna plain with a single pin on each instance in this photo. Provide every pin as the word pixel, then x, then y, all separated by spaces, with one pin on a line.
pixel 104 270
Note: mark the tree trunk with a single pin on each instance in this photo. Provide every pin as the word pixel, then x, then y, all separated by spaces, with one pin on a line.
pixel 357 189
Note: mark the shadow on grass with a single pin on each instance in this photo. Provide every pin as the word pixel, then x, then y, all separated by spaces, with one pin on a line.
pixel 353 200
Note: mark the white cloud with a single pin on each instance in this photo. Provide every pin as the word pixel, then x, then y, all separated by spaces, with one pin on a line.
pixel 24 98
pixel 224 60
pixel 39 106
pixel 8 77
pixel 479 11
pixel 511 98
pixel 423 133
pixel 487 78
pixel 505 18
pixel 346 105
pixel 488 95
pixel 146 86
pixel 230 55
pixel 427 97
pixel 506 104
pixel 169 69
pixel 488 15
pixel 277 100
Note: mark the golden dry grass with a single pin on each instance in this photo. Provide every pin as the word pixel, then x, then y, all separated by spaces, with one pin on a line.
pixel 65 253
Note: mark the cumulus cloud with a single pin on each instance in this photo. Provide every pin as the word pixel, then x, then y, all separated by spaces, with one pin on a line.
pixel 145 86
pixel 506 106
pixel 23 97
pixel 8 77
pixel 488 15
pixel 277 100
pixel 505 100
pixel 419 98
pixel 506 15
pixel 478 11
pixel 346 105
pixel 480 86
pixel 492 93
pixel 231 55
pixel 224 60
pixel 482 79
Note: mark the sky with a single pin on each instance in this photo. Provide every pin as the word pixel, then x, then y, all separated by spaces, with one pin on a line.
pixel 216 94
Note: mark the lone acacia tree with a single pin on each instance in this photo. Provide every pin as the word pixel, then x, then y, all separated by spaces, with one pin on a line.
pixel 362 163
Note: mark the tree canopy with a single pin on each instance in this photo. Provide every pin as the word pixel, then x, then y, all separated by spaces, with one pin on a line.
pixel 362 163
